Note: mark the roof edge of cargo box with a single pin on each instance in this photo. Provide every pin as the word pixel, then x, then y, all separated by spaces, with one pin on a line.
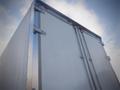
pixel 46 6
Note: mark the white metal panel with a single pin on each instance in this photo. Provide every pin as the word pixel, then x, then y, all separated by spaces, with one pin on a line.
pixel 102 66
pixel 62 68
pixel 13 68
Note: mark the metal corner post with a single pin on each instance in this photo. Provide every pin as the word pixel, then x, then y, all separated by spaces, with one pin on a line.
pixel 37 43
pixel 34 81
pixel 30 49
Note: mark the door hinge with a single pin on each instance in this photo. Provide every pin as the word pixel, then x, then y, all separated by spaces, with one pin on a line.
pixel 38 31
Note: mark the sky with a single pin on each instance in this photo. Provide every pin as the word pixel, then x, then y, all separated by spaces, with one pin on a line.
pixel 100 16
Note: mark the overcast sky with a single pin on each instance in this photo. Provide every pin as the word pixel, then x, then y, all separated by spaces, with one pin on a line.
pixel 100 16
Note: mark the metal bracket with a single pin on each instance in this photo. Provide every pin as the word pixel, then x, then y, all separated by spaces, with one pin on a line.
pixel 38 31
pixel 39 9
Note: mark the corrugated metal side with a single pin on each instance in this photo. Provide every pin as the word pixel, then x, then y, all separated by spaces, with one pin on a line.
pixel 103 69
pixel 13 67
pixel 62 66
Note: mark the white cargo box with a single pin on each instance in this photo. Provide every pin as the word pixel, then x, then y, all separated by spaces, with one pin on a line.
pixel 50 51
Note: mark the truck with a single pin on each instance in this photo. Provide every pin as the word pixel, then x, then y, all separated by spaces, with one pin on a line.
pixel 50 51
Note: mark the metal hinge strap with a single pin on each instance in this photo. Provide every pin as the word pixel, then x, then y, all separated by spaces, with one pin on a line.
pixel 38 31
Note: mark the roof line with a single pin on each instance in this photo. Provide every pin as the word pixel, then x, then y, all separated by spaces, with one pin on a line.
pixel 66 17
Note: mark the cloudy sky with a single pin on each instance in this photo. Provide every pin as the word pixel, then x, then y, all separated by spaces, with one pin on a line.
pixel 100 16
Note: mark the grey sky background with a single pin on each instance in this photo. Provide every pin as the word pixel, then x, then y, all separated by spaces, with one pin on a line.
pixel 100 16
